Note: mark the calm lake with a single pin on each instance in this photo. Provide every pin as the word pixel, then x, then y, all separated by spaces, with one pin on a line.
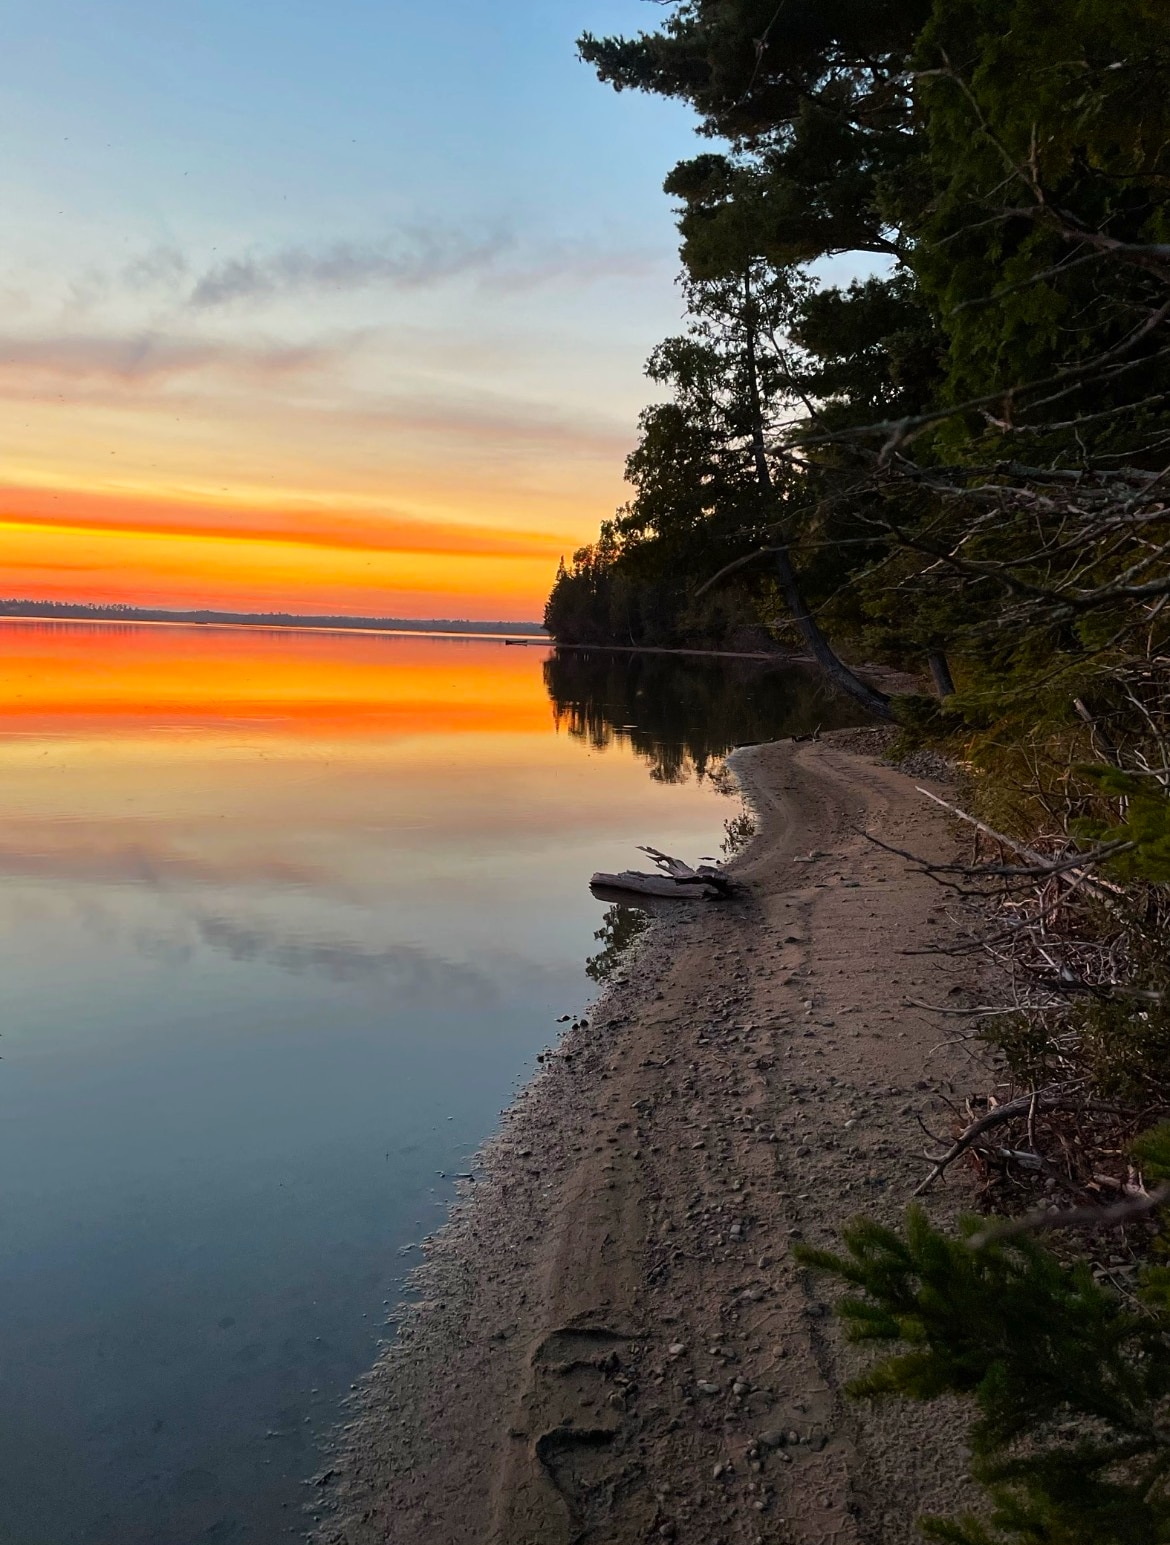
pixel 285 918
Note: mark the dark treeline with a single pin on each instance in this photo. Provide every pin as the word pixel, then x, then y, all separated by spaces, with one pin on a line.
pixel 80 611
pixel 958 463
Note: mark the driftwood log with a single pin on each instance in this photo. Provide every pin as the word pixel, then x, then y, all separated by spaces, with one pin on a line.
pixel 676 881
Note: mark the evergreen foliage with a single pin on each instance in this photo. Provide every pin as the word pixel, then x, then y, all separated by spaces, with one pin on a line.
pixel 1069 1382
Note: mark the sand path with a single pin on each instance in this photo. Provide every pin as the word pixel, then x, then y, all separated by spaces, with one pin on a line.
pixel 617 1345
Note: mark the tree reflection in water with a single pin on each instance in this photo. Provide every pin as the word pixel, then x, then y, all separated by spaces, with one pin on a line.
pixel 682 714
pixel 620 926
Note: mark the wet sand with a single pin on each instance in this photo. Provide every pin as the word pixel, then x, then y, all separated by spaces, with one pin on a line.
pixel 614 1343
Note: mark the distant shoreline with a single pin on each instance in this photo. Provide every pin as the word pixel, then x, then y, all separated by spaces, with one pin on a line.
pixel 48 611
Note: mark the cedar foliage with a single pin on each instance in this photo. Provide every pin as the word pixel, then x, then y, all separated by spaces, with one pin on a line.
pixel 966 458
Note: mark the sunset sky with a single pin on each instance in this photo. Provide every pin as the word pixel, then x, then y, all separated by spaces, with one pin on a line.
pixel 327 307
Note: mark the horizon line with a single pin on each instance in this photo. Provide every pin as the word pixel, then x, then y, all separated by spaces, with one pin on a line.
pixel 15 608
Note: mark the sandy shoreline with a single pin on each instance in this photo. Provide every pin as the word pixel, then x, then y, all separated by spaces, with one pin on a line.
pixel 614 1343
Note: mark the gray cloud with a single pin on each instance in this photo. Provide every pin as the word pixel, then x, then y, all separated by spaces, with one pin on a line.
pixel 415 260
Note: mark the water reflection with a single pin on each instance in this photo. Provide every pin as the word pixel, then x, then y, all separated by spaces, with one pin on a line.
pixel 682 714
pixel 738 832
pixel 620 926
pixel 283 919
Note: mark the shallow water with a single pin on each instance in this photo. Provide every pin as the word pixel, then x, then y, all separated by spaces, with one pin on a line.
pixel 284 918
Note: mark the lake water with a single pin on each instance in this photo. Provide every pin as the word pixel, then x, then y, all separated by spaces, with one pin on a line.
pixel 284 918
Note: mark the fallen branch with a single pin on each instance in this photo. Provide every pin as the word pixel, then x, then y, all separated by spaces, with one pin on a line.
pixel 986 1012
pixel 1060 1097
pixel 1076 868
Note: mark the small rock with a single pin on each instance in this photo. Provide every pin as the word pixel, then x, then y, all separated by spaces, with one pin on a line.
pixel 705 1387
pixel 677 1348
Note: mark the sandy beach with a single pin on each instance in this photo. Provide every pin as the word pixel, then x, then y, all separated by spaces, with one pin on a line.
pixel 614 1343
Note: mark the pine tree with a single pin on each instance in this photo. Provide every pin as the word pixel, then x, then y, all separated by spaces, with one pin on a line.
pixel 1069 1382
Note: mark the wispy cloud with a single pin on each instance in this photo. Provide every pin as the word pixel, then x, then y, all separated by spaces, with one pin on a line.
pixel 151 355
pixel 160 371
pixel 415 259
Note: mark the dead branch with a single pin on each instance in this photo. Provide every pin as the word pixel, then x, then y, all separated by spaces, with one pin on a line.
pixel 1060 1097
pixel 1043 866
pixel 985 1012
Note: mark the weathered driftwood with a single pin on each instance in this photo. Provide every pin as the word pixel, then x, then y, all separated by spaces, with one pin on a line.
pixel 650 885
pixel 677 882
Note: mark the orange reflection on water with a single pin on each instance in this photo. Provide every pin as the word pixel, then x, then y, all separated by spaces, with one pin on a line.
pixel 277 762
pixel 125 677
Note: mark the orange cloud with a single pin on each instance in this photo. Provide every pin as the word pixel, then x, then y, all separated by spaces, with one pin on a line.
pixel 159 569
pixel 67 513
pixel 239 554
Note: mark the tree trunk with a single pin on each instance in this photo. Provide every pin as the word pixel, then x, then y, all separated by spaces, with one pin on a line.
pixel 941 671
pixel 822 651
